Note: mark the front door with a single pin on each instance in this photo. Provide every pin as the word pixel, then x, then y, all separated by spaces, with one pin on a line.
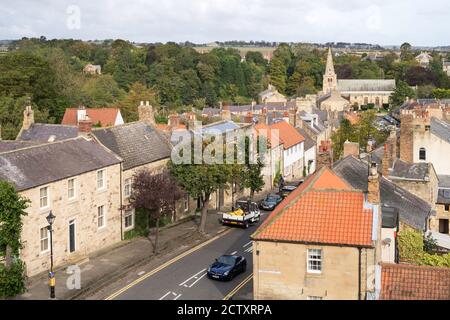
pixel 443 226
pixel 72 236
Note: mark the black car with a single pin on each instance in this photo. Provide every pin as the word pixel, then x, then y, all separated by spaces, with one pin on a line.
pixel 270 202
pixel 284 192
pixel 227 267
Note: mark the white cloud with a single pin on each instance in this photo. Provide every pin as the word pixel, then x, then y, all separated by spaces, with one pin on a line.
pixel 375 21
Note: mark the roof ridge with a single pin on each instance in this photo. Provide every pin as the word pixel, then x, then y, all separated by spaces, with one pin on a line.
pixel 43 144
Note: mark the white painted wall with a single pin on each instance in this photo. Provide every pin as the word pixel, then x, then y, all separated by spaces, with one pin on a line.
pixel 293 154
pixel 437 151
pixel 119 119
pixel 388 250
pixel 310 154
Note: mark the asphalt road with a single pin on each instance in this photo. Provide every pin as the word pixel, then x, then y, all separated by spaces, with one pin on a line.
pixel 186 279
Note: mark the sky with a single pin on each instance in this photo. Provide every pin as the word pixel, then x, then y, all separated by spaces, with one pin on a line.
pixel 384 22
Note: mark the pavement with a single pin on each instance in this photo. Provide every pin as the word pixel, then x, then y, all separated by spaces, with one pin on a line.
pixel 113 263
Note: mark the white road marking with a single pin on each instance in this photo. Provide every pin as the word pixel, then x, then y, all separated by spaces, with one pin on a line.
pixel 176 298
pixel 162 298
pixel 195 276
pixel 192 284
pixel 141 273
pixel 249 249
pixel 233 253
pixel 247 244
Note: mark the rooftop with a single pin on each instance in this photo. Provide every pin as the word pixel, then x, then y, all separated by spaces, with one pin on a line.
pixel 411 282
pixel 106 117
pixel 324 209
pixel 289 136
pixel 137 143
pixel 345 85
pixel 43 132
pixel 45 163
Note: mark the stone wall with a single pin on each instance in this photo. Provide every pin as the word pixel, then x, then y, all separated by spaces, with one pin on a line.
pixel 82 209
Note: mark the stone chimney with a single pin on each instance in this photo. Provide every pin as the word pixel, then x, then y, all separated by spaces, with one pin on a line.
pixel 248 118
pixel 393 143
pixel 191 118
pixel 373 185
pixel 293 117
pixel 386 163
pixel 324 155
pixel 28 118
pixel 174 120
pixel 85 127
pixel 351 149
pixel 146 113
pixel 253 105
pixel 406 137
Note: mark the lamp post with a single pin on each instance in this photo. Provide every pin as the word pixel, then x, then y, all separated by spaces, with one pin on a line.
pixel 50 219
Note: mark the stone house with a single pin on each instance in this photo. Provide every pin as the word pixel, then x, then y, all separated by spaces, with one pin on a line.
pixel 424 59
pixel 321 242
pixel 271 95
pixel 92 69
pixel 446 67
pixel 79 181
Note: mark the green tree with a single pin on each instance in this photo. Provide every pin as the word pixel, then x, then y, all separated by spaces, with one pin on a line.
pixel 12 209
pixel 277 74
pixel 101 91
pixel 401 92
pixel 137 92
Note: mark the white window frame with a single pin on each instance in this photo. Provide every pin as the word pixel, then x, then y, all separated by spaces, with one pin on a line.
pixel 47 197
pixel 68 235
pixel 310 257
pixel 128 213
pixel 103 217
pixel 74 188
pixel 43 239
pixel 127 187
pixel 103 179
pixel 186 203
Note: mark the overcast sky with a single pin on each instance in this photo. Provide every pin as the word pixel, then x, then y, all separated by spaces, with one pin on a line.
pixel 386 22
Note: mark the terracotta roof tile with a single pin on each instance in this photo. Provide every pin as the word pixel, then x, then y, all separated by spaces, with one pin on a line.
pixel 324 209
pixel 410 282
pixel 105 116
pixel 288 134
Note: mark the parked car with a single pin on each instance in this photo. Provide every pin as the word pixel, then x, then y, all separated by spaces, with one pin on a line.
pixel 247 213
pixel 286 190
pixel 226 267
pixel 270 202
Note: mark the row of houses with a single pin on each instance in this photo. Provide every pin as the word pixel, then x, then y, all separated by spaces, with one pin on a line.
pixel 341 224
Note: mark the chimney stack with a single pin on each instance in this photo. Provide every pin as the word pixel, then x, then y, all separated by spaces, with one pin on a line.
pixel 146 114
pixel 386 163
pixel 85 127
pixel 225 113
pixel 262 116
pixel 324 155
pixel 393 143
pixel 373 185
pixel 174 120
pixel 293 117
pixel 248 118
pixel 406 137
pixel 28 118
pixel 351 149
pixel 81 113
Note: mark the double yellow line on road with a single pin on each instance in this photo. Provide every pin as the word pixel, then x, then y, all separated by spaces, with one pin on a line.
pixel 239 287
pixel 168 263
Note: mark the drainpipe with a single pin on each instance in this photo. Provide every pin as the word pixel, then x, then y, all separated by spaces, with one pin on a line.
pixel 121 204
pixel 359 273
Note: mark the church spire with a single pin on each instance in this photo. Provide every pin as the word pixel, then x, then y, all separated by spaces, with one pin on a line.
pixel 330 77
pixel 329 70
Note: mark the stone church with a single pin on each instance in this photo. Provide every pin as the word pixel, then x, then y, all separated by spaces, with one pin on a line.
pixel 340 94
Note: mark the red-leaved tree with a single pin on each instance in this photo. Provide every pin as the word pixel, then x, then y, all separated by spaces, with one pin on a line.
pixel 156 194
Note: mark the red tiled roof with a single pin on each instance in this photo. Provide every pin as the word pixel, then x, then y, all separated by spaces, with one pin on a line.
pixel 105 116
pixel 288 134
pixel 324 209
pixel 410 282
pixel 265 130
pixel 166 127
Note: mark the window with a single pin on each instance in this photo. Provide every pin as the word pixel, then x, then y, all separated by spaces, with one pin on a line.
pixel 71 188
pixel 186 202
pixel 44 236
pixel 422 154
pixel 314 260
pixel 101 179
pixel 313 298
pixel 127 187
pixel 447 207
pixel 43 197
pixel 129 219
pixel 101 216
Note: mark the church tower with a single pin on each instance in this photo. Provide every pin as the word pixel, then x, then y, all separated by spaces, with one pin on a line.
pixel 330 77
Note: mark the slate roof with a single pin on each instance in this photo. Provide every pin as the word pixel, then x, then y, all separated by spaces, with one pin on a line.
pixel 440 129
pixel 413 210
pixel 41 132
pixel 443 196
pixel 221 126
pixel 324 209
pixel 411 282
pixel 345 85
pixel 404 170
pixel 9 145
pixel 45 163
pixel 309 142
pixel 137 143
pixel 444 181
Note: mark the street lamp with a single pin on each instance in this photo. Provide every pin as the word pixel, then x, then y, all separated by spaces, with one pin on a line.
pixel 51 219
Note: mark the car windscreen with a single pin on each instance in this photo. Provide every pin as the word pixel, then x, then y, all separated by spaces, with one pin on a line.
pixel 228 260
